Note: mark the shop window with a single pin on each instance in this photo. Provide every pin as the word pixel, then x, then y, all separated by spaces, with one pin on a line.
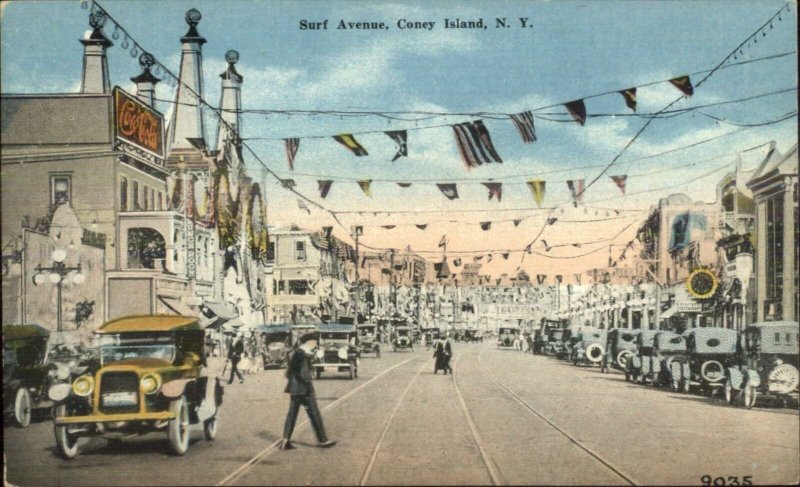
pixel 60 190
pixel 152 199
pixel 300 251
pixel 145 202
pixel 136 206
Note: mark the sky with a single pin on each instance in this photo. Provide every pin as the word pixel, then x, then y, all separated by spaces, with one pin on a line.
pixel 571 50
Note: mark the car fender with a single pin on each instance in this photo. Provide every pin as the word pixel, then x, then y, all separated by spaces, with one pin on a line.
pixel 737 378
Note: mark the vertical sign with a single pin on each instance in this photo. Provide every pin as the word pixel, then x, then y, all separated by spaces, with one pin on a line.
pixel 189 229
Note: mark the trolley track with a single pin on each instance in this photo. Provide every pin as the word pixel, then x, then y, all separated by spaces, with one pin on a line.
pixel 627 478
pixel 387 425
pixel 272 447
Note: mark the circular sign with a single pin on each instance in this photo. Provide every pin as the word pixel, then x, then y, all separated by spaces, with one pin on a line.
pixel 702 283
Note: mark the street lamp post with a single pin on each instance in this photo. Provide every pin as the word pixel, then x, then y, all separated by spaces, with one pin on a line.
pixel 56 274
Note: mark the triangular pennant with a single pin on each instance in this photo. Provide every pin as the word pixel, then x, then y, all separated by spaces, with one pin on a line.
pixel 291 150
pixel 495 190
pixel 630 98
pixel 327 231
pixel 552 220
pixel 524 123
pixel 388 227
pixel 288 183
pixel 400 138
pixel 449 190
pixel 620 181
pixel 404 185
pixel 578 278
pixel 364 185
pixel 577 109
pixel 540 278
pixel 489 258
pixel 351 144
pixel 422 226
pixel 443 241
pixel 505 255
pixel 684 84
pixel 575 190
pixel 486 226
pixel 537 187
pixel 528 248
pixel 477 258
pixel 324 187
pixel 559 278
pixel 517 222
pixel 457 262
pixel 544 244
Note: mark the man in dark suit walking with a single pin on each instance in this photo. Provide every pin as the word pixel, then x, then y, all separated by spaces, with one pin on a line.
pixel 301 391
pixel 235 355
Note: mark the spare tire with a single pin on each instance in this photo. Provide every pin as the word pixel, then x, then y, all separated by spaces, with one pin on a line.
pixel 595 352
pixel 712 371
pixel 622 357
pixel 783 379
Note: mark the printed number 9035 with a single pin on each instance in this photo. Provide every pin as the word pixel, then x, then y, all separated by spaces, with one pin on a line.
pixel 708 480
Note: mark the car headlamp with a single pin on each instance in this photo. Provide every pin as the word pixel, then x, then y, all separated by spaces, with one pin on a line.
pixel 150 383
pixel 320 354
pixel 342 353
pixel 83 385
pixel 58 392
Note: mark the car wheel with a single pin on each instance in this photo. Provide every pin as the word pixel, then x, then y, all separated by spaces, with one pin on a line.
pixel 67 443
pixel 22 408
pixel 210 428
pixel 178 428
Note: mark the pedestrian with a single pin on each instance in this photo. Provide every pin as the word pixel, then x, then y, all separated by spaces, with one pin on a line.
pixel 301 393
pixel 235 355
pixel 448 353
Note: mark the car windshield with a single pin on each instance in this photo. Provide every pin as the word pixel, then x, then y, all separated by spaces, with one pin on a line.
pixel 333 337
pixel 25 353
pixel 117 348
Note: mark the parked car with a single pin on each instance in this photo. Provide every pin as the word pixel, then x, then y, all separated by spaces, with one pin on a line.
pixel 670 361
pixel 472 335
pixel 556 342
pixel 591 348
pixel 506 337
pixel 620 343
pixel 26 373
pixel 150 377
pixel 770 366
pixel 367 343
pixel 337 349
pixel 402 339
pixel 639 365
pixel 277 340
pixel 711 352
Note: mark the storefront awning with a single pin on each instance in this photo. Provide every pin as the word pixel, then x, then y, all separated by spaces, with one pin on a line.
pixel 668 313
pixel 222 310
pixel 177 306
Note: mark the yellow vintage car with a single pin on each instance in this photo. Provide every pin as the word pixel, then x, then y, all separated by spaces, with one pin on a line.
pixel 150 377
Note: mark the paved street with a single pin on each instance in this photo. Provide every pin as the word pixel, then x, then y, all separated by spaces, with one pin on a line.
pixel 504 418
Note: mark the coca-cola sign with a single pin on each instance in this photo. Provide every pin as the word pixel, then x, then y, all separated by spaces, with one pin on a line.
pixel 138 124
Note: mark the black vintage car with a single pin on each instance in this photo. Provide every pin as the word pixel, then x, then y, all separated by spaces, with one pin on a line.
pixel 770 366
pixel 620 344
pixel 402 339
pixel 711 352
pixel 26 374
pixel 591 348
pixel 277 340
pixel 367 341
pixel 670 361
pixel 472 335
pixel 337 349
pixel 506 337
pixel 556 342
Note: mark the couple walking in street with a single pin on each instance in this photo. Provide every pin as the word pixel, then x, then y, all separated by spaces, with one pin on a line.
pixel 443 351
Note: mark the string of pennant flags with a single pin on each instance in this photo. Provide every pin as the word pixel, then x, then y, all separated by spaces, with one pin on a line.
pixel 473 141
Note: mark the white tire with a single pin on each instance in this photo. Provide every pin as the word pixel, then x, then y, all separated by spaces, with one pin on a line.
pixel 783 379
pixel 67 444
pixel 178 428
pixel 22 408
pixel 594 352
pixel 712 371
pixel 622 357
